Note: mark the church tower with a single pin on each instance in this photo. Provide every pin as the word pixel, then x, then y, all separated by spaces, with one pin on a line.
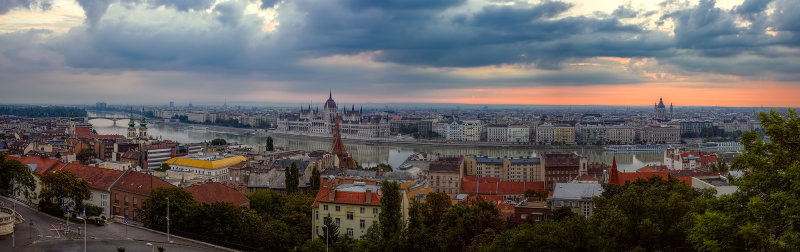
pixel 345 161
pixel 131 127
pixel 71 126
pixel 671 116
pixel 143 127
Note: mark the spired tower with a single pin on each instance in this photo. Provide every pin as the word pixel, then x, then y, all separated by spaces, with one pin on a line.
pixel 345 161
pixel 131 127
pixel 71 126
pixel 331 110
pixel 143 127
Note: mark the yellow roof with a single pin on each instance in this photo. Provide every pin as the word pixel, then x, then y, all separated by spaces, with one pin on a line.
pixel 216 164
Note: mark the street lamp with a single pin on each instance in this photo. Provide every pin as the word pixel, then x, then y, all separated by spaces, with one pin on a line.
pixel 326 236
pixel 151 245
pixel 84 228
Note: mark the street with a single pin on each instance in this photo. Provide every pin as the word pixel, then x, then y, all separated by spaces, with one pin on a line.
pixel 41 232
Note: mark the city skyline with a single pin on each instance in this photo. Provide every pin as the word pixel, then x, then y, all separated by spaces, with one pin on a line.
pixel 570 52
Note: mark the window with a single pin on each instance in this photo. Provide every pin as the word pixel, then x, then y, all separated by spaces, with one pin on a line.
pixel 134 200
pixel 586 210
pixel 116 196
pixel 374 211
pixel 362 210
pixel 126 212
pixel 325 207
pixel 559 203
pixel 350 232
pixel 317 214
pixel 337 222
pixel 362 224
pixel 338 208
pixel 349 215
pixel 126 199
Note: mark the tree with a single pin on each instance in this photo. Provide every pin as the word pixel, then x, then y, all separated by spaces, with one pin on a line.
pixel 391 212
pixel 92 210
pixel 15 177
pixel 86 156
pixel 219 142
pixel 154 209
pixel 436 205
pixel 164 167
pixel 315 179
pixel 763 212
pixel 463 222
pixel 650 214
pixel 63 184
pixel 563 213
pixel 292 178
pixel 270 145
pixel 267 203
pixel 330 230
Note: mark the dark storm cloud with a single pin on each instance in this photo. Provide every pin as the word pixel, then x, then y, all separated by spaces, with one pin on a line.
pixel 269 3
pixel 624 12
pixel 409 35
pixel 8 5
pixel 184 5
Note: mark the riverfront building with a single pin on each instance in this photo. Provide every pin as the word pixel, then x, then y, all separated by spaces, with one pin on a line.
pixel 353 122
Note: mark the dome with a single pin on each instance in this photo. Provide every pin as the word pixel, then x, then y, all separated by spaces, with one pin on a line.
pixel 330 103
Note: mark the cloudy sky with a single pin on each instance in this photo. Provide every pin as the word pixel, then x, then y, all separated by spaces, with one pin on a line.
pixel 610 52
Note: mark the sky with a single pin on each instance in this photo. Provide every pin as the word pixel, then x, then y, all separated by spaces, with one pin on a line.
pixel 562 52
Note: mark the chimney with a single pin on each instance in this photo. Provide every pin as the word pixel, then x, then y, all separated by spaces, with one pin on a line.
pixel 369 196
pixel 331 194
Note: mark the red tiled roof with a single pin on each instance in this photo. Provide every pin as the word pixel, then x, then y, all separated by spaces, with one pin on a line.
pixel 83 131
pixel 483 179
pixel 139 183
pixel 42 164
pixel 653 168
pixel 619 178
pixel 352 198
pixel 705 159
pixel 586 177
pixel 86 132
pixel 98 178
pixel 216 192
pixel 499 187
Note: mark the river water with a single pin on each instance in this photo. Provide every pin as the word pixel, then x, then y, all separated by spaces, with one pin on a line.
pixel 367 155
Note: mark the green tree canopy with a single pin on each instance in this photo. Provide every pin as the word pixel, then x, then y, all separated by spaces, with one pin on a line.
pixel 154 209
pixel 15 177
pixel 763 213
pixel 219 142
pixel 164 167
pixel 267 203
pixel 315 179
pixel 292 178
pixel 63 184
pixel 270 144
pixel 86 156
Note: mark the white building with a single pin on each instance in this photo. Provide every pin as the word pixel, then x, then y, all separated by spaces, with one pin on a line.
pixel 353 122
pixel 472 130
pixel 545 134
pixel 497 133
pixel 518 134
pixel 620 134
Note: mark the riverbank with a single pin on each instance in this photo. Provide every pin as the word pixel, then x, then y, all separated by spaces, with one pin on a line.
pixel 376 141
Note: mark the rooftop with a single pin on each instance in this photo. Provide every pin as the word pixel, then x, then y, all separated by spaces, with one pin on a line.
pixel 576 191
pixel 216 192
pixel 207 161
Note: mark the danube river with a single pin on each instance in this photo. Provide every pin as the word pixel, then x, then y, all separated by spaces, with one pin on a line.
pixel 367 155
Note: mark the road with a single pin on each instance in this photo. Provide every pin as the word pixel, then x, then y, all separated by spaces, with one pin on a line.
pixel 41 232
